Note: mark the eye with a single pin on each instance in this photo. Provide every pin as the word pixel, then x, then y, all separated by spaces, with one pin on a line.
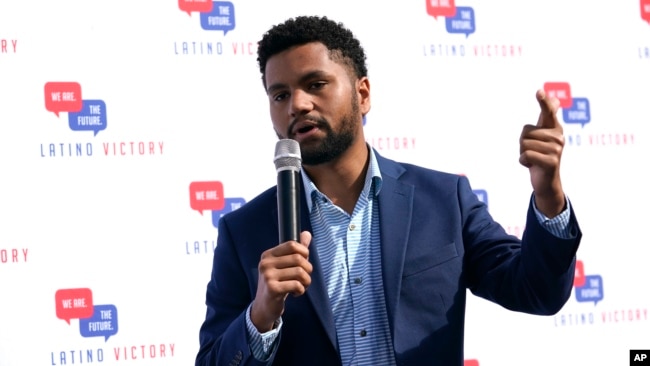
pixel 280 96
pixel 317 85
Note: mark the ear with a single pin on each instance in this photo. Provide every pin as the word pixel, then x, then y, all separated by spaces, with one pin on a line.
pixel 363 92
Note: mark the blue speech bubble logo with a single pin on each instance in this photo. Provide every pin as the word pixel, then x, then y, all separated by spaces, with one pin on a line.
pixel 592 290
pixel 463 22
pixel 482 195
pixel 221 18
pixel 231 204
pixel 578 113
pixel 91 117
pixel 103 323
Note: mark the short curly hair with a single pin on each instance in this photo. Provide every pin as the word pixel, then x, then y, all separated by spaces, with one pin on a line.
pixel 305 29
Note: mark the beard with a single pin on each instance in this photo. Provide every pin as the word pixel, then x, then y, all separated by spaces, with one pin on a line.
pixel 332 146
pixel 335 143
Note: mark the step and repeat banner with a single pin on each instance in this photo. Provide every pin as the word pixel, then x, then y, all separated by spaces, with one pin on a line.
pixel 129 128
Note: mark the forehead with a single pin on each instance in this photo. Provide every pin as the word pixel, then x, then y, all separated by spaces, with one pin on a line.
pixel 303 59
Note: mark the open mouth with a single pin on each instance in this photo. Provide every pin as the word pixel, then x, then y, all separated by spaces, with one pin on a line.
pixel 305 129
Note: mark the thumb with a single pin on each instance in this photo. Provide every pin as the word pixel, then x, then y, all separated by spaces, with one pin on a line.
pixel 305 238
pixel 548 110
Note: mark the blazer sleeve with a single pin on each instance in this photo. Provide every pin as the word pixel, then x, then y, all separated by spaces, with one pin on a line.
pixel 223 335
pixel 533 275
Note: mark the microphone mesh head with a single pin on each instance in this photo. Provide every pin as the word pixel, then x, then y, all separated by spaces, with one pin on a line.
pixel 287 155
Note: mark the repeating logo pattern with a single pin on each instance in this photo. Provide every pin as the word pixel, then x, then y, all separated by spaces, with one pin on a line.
pixel 589 292
pixel 75 124
pixel 209 196
pixel 94 320
pixel 461 20
pixel 577 111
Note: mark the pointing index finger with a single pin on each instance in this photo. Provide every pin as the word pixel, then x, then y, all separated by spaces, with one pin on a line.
pixel 548 110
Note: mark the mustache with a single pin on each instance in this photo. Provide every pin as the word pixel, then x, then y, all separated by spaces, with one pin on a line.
pixel 318 121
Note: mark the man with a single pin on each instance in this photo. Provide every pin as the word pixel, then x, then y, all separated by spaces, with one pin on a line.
pixel 388 249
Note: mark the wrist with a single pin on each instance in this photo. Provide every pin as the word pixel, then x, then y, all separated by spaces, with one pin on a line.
pixel 550 205
pixel 263 324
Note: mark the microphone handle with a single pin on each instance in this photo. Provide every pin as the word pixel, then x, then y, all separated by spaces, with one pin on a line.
pixel 289 205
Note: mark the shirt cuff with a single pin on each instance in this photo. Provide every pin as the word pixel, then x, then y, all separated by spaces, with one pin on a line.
pixel 559 225
pixel 262 344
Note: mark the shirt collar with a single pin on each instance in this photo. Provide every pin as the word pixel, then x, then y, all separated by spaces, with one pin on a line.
pixel 373 178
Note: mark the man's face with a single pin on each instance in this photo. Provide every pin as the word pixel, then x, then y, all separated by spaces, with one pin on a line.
pixel 313 100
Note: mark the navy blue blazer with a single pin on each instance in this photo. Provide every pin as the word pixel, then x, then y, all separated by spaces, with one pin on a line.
pixel 437 240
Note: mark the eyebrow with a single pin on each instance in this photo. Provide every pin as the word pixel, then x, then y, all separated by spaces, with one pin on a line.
pixel 310 75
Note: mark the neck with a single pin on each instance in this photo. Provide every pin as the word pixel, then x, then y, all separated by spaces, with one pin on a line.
pixel 342 179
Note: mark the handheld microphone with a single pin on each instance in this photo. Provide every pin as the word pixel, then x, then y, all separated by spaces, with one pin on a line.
pixel 287 164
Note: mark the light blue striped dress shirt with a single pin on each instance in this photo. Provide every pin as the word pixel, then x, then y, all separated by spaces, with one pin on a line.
pixel 350 257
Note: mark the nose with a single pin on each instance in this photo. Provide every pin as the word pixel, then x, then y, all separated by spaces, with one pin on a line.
pixel 301 103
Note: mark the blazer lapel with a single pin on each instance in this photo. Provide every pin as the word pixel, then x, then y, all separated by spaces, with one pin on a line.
pixel 395 212
pixel 317 291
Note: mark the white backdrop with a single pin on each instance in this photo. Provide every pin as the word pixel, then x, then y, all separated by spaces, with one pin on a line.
pixel 128 128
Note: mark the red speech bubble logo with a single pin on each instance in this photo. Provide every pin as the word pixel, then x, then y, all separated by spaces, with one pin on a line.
pixel 74 303
pixel 201 6
pixel 579 277
pixel 63 97
pixel 561 91
pixel 207 196
pixel 645 10
pixel 471 363
pixel 441 8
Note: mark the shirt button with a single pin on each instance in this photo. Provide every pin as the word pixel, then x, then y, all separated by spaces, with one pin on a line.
pixel 351 227
pixel 363 333
pixel 357 281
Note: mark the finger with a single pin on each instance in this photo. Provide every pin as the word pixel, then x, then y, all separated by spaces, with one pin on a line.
pixel 523 160
pixel 544 147
pixel 293 287
pixel 272 263
pixel 280 289
pixel 548 110
pixel 305 238
pixel 540 153
pixel 271 274
pixel 531 158
pixel 289 281
pixel 287 248
pixel 545 135
pixel 300 274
